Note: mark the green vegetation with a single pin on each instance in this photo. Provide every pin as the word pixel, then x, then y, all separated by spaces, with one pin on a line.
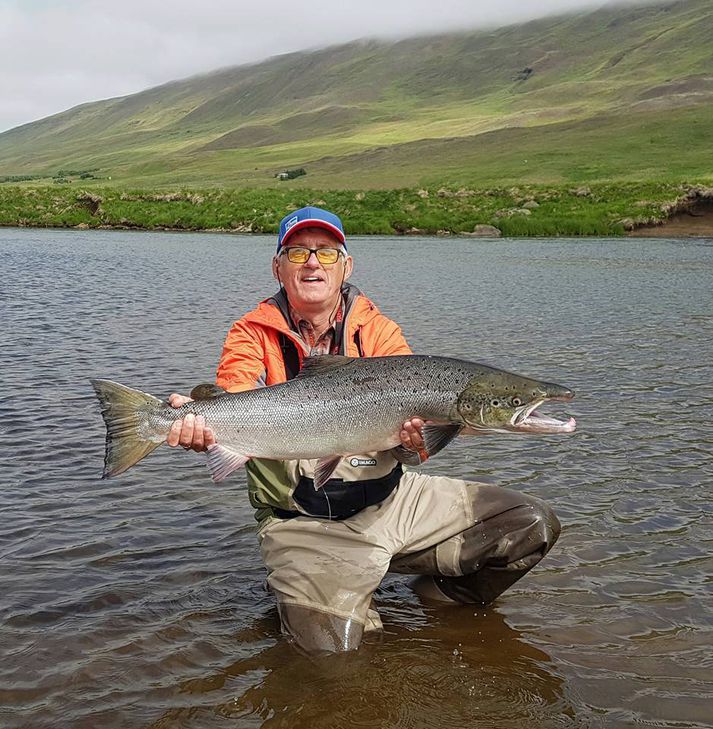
pixel 622 93
pixel 59 177
pixel 602 209
pixel 508 127
pixel 20 178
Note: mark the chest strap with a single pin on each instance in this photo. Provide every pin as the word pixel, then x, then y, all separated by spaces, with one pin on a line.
pixel 339 499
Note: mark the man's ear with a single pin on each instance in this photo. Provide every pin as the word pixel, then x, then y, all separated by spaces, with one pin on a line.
pixel 348 265
pixel 275 263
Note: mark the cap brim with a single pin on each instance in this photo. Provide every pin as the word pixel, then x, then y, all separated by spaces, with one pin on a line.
pixel 314 223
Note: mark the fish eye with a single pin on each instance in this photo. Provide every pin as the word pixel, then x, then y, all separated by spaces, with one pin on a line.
pixel 495 403
pixel 516 402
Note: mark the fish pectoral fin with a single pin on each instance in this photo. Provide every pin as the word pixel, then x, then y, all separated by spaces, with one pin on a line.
pixel 325 468
pixel 405 456
pixel 437 437
pixel 207 391
pixel 222 461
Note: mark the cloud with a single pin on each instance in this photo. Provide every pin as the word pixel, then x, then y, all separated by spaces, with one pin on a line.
pixel 56 54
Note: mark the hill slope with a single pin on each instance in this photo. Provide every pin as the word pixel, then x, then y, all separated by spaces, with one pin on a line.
pixel 622 92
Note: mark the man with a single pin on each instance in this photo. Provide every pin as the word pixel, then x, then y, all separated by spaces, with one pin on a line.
pixel 327 551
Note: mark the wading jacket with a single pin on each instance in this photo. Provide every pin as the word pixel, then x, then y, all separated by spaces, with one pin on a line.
pixel 262 349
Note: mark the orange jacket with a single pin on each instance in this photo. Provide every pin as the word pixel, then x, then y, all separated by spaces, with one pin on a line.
pixel 252 351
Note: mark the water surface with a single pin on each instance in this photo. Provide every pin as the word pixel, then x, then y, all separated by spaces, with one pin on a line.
pixel 140 601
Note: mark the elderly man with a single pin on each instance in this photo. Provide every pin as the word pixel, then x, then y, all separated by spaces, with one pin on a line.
pixel 327 551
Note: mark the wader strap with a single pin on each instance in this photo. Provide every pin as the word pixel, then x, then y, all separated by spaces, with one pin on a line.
pixel 340 499
pixel 289 356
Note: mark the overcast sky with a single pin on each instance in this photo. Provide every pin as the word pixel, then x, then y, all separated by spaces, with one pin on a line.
pixel 55 54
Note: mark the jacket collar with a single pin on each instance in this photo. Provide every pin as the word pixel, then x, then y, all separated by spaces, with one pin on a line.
pixel 274 312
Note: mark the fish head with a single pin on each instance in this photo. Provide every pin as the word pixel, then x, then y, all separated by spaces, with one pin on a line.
pixel 501 402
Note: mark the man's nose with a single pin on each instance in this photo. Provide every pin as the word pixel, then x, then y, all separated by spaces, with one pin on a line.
pixel 312 261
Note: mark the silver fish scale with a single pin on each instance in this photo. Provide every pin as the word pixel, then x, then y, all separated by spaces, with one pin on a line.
pixel 350 408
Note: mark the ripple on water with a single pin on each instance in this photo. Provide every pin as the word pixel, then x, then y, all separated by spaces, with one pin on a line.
pixel 140 601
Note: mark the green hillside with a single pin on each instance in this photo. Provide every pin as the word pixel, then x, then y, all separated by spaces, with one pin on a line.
pixel 622 93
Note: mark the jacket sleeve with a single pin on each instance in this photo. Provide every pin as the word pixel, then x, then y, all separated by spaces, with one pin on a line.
pixel 384 338
pixel 242 363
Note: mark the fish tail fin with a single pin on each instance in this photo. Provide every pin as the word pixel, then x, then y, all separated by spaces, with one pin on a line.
pixel 131 431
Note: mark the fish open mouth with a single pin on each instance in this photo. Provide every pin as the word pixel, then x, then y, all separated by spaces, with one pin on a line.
pixel 530 420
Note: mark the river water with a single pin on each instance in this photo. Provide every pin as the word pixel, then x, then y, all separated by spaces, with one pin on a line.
pixel 140 601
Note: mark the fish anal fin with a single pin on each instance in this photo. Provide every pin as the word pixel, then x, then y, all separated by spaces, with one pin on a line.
pixel 323 471
pixel 206 391
pixel 222 461
pixel 437 436
pixel 323 363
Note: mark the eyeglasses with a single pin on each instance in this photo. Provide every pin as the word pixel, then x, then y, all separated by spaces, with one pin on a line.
pixel 326 256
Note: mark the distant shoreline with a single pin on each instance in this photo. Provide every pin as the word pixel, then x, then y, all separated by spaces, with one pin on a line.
pixel 696 229
pixel 623 210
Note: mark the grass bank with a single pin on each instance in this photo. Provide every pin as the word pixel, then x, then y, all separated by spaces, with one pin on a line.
pixel 527 210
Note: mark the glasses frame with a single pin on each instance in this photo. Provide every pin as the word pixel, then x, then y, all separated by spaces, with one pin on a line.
pixel 310 251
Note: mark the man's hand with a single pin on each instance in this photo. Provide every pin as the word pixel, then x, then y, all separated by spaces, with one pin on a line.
pixel 412 436
pixel 191 432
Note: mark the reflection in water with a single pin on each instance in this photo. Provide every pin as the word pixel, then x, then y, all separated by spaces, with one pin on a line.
pixel 140 601
pixel 458 667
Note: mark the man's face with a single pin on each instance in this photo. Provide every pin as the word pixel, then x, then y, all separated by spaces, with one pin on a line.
pixel 312 285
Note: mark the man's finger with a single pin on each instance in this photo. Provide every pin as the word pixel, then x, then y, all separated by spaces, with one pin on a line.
pixel 411 434
pixel 174 434
pixel 198 434
pixel 187 430
pixel 176 401
pixel 407 440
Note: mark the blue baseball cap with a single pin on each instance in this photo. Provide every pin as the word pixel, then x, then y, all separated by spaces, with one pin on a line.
pixel 310 217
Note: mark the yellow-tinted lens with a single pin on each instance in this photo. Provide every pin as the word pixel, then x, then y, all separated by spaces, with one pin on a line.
pixel 326 256
pixel 297 255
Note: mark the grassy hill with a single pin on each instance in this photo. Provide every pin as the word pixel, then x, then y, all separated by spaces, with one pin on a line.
pixel 622 93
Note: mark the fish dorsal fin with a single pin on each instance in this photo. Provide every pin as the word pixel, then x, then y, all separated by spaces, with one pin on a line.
pixel 323 363
pixel 206 391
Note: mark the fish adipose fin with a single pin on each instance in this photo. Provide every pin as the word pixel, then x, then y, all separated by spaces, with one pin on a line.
pixel 222 461
pixel 323 363
pixel 437 437
pixel 325 468
pixel 127 415
pixel 206 391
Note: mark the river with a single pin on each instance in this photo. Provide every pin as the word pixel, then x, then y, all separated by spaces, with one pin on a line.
pixel 140 601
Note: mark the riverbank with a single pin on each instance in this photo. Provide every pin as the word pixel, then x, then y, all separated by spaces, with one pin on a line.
pixel 695 222
pixel 604 210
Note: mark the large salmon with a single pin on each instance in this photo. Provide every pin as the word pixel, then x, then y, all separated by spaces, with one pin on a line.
pixel 336 406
